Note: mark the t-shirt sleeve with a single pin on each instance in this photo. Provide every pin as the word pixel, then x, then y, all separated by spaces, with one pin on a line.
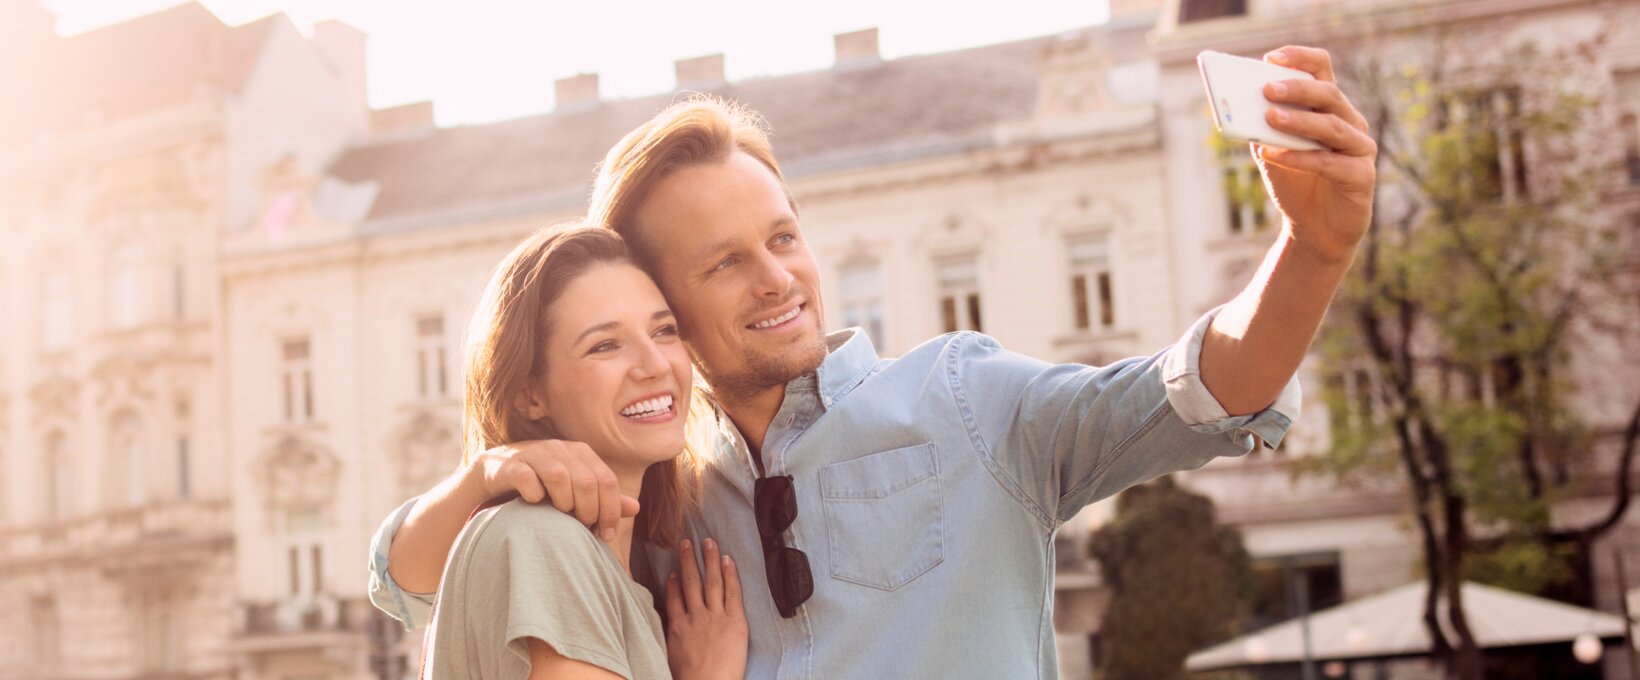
pixel 541 574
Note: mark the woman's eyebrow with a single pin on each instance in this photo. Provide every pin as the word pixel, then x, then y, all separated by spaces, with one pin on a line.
pixel 608 325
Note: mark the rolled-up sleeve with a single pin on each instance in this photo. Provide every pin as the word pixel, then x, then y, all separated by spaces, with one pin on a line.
pixel 1198 408
pixel 1062 436
pixel 411 609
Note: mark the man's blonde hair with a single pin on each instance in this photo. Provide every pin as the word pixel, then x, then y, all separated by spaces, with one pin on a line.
pixel 695 131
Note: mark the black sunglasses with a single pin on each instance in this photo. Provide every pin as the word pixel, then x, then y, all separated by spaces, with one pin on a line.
pixel 790 581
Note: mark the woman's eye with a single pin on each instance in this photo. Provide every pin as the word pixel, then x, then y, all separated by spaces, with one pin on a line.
pixel 667 331
pixel 604 346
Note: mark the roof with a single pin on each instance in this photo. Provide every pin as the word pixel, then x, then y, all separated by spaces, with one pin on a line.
pixel 1390 624
pixel 135 66
pixel 819 120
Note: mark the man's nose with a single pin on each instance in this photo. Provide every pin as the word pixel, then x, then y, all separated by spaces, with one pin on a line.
pixel 772 278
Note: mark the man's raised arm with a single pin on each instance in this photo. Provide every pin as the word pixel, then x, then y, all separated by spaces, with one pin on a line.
pixel 1257 341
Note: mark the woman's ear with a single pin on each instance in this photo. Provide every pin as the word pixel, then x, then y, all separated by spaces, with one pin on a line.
pixel 529 404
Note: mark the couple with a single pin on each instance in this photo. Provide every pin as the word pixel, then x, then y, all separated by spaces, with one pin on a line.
pixel 877 517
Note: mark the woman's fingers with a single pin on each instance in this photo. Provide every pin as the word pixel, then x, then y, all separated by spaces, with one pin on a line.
pixel 714 576
pixel 674 598
pixel 691 576
pixel 731 588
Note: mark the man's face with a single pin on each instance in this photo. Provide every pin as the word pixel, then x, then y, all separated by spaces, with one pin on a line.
pixel 737 272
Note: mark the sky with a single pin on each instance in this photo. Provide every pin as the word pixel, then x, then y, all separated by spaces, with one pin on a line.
pixel 487 60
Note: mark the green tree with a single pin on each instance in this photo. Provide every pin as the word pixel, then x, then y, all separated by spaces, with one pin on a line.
pixel 1178 581
pixel 1451 354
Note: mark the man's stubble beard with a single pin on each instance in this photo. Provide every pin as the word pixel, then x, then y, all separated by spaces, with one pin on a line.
pixel 764 371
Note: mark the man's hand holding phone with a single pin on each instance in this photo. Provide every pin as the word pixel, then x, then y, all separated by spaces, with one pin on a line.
pixel 1325 194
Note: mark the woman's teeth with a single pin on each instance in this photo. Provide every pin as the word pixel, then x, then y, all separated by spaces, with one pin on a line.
pixel 648 407
pixel 783 318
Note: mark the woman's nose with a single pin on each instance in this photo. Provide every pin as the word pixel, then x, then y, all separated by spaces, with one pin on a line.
pixel 650 363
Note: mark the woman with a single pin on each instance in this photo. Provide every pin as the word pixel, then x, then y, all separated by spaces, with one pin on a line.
pixel 573 342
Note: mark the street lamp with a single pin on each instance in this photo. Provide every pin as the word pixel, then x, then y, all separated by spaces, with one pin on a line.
pixel 1587 648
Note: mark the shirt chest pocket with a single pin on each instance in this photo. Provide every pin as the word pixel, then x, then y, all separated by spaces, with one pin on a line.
pixel 884 516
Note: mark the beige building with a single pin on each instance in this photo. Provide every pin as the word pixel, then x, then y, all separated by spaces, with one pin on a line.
pixel 241 282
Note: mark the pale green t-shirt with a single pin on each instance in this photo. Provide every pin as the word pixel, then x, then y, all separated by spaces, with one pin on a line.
pixel 519 571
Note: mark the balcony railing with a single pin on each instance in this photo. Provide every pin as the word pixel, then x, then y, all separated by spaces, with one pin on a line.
pixel 205 519
pixel 315 613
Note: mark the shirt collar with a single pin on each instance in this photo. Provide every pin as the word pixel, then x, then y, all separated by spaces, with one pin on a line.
pixel 850 358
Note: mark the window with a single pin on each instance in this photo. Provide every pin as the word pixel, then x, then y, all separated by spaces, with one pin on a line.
pixel 431 372
pixel 1246 200
pixel 161 641
pixel 1495 140
pixel 1092 298
pixel 959 294
pixel 59 484
pixel 179 293
pixel 1628 105
pixel 124 294
pixel 125 461
pixel 1289 585
pixel 302 554
pixel 862 289
pixel 1202 10
pixel 1629 126
pixel 46 630
pixel 56 312
pixel 184 413
pixel 298 381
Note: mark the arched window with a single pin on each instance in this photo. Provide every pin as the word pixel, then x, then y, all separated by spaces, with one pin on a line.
pixel 124 293
pixel 59 482
pixel 125 482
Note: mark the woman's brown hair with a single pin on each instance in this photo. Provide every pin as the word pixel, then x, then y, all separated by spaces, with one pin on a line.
pixel 506 350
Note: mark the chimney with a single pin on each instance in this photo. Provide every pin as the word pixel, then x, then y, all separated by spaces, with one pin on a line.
pixel 700 73
pixel 342 48
pixel 416 116
pixel 1134 9
pixel 856 49
pixel 575 93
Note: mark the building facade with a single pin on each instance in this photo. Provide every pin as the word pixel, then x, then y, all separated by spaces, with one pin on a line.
pixel 246 297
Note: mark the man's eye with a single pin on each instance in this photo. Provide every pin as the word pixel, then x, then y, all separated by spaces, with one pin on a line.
pixel 724 263
pixel 785 239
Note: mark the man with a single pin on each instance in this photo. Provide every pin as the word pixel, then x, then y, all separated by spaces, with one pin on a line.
pixel 895 518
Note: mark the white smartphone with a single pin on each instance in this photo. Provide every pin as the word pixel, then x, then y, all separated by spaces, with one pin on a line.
pixel 1235 86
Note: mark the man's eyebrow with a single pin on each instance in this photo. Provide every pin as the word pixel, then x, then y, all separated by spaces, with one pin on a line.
pixel 782 222
pixel 712 248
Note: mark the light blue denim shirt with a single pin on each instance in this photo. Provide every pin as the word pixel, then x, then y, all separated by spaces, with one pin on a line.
pixel 929 488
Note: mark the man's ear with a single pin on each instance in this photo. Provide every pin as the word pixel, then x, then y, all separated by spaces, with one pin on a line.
pixel 529 404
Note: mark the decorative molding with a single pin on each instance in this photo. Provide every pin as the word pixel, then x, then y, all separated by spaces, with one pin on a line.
pixel 55 400
pixel 422 451
pixel 297 472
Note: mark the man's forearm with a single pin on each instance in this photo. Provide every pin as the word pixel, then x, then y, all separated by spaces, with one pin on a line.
pixel 416 558
pixel 1256 342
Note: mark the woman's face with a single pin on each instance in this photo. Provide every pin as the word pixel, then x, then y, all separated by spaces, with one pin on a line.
pixel 617 376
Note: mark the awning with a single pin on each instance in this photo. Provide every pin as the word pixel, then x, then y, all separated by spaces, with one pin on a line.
pixel 1390 624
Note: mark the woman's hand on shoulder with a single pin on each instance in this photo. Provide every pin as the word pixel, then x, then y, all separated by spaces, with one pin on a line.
pixel 568 474
pixel 706 620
